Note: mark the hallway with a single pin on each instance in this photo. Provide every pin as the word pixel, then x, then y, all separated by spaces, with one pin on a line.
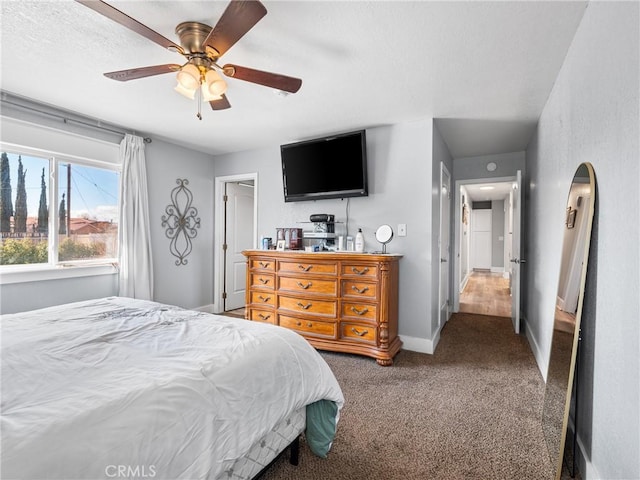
pixel 486 293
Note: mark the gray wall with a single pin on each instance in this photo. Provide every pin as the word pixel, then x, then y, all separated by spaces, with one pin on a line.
pixel 592 116
pixel 400 190
pixel 20 297
pixel 189 285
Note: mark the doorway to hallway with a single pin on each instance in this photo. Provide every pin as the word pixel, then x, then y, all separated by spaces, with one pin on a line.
pixel 487 242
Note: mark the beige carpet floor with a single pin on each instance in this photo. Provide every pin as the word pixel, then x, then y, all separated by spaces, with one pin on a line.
pixel 470 411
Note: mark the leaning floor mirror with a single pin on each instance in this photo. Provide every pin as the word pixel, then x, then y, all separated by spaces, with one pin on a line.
pixel 566 329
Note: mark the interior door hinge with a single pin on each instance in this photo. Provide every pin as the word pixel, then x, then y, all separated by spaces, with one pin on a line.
pixel 224 247
pixel 225 198
pixel 224 295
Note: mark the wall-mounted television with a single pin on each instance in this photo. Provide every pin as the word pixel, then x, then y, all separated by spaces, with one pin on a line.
pixel 328 167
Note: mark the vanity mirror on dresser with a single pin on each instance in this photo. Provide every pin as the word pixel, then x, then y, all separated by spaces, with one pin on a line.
pixel 343 302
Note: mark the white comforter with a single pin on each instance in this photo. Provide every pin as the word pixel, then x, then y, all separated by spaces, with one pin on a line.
pixel 118 386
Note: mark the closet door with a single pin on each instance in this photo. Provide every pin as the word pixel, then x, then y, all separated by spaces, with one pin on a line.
pixel 481 239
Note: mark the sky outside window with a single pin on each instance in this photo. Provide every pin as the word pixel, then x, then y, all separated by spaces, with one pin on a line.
pixel 94 191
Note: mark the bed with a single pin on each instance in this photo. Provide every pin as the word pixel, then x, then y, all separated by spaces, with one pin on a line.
pixel 123 388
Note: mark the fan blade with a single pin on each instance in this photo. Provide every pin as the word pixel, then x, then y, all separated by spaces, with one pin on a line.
pixel 133 73
pixel 132 24
pixel 238 18
pixel 221 104
pixel 273 80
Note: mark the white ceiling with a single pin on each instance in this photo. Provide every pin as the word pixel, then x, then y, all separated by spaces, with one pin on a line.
pixel 488 191
pixel 483 69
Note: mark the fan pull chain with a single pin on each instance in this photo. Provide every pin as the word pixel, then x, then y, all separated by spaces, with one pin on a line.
pixel 199 114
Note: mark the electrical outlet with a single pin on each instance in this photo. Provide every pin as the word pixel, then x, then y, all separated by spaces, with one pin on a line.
pixel 402 229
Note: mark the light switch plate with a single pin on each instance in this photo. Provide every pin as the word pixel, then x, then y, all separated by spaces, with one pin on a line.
pixel 402 229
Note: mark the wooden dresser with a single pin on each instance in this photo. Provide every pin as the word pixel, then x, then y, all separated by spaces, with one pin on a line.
pixel 344 302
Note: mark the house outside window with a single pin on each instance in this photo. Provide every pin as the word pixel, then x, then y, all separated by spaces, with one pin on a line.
pixel 57 210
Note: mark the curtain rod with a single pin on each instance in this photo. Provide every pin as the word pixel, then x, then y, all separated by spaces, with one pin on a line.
pixel 70 120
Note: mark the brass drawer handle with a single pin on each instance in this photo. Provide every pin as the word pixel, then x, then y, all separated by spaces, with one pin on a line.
pixel 305 307
pixel 305 269
pixel 264 264
pixel 361 291
pixel 359 312
pixel 264 299
pixel 264 317
pixel 304 287
pixel 360 334
pixel 298 324
pixel 309 324
pixel 360 272
pixel 264 281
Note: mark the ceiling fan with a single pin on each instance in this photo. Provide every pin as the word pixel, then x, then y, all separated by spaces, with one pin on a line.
pixel 201 46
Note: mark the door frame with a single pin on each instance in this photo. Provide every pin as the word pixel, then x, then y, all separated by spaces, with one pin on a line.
pixel 218 235
pixel 456 234
pixel 447 264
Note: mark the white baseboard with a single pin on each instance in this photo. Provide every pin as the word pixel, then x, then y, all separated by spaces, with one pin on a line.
pixel 206 308
pixel 586 468
pixel 415 344
pixel 497 269
pixel 535 349
pixel 464 282
pixel 420 345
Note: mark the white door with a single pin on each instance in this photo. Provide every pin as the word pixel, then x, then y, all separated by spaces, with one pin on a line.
pixel 445 219
pixel 481 239
pixel 238 237
pixel 516 261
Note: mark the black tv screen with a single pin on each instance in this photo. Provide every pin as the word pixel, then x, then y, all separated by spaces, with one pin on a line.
pixel 330 167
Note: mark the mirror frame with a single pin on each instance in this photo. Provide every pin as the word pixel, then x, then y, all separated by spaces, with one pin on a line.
pixel 555 437
pixel 382 238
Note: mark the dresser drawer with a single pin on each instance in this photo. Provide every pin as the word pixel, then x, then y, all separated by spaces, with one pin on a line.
pixel 359 311
pixel 263 281
pixel 311 306
pixel 263 298
pixel 309 327
pixel 266 264
pixel 370 272
pixel 356 288
pixel 309 285
pixel 266 316
pixel 308 268
pixel 361 333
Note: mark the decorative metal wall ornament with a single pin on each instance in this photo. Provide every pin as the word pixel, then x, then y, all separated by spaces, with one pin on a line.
pixel 181 220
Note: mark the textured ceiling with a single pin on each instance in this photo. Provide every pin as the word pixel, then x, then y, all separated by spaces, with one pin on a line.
pixel 483 69
pixel 489 191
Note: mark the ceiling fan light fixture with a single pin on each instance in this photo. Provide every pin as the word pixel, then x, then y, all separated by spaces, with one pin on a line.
pixel 189 77
pixel 189 93
pixel 213 85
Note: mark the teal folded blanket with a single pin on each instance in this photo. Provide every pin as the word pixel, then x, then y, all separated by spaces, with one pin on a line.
pixel 321 426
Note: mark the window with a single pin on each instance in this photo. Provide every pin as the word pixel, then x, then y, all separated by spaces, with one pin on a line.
pixel 57 210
